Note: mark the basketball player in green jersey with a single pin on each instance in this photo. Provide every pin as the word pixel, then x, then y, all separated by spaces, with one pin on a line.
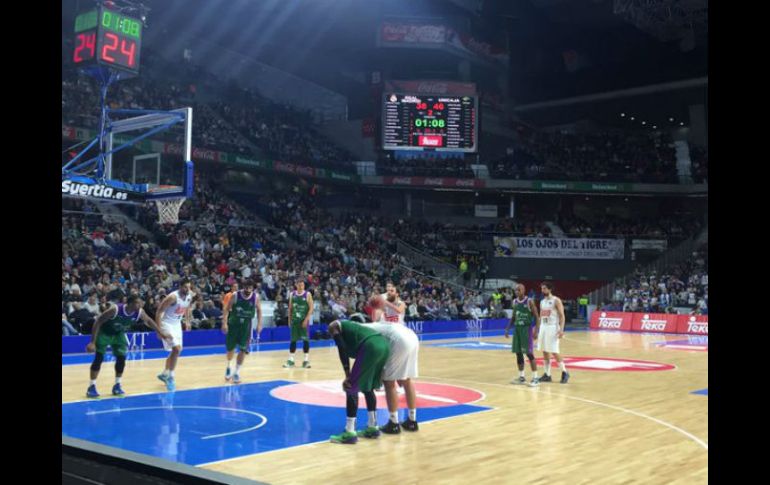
pixel 371 351
pixel 524 310
pixel 110 330
pixel 236 324
pixel 300 312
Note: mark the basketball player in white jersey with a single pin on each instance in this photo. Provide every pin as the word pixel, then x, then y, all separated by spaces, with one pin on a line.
pixel 401 368
pixel 549 330
pixel 394 308
pixel 175 307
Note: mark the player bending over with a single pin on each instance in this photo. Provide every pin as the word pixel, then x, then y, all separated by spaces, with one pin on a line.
pixel 371 351
pixel 110 330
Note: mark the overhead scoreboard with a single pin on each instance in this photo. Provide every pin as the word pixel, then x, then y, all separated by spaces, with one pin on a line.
pixel 108 38
pixel 430 122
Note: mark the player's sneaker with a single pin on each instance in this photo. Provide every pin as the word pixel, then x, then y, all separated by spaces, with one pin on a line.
pixel 564 377
pixel 520 380
pixel 170 384
pixel 391 428
pixel 545 378
pixel 91 392
pixel 117 390
pixel 346 438
pixel 306 364
pixel 236 379
pixel 410 425
pixel 228 374
pixel 289 363
pixel 163 377
pixel 535 382
pixel 370 432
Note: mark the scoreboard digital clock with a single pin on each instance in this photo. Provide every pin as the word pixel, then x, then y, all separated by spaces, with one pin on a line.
pixel 436 122
pixel 108 38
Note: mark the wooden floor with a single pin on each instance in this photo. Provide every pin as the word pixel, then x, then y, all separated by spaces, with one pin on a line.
pixel 602 428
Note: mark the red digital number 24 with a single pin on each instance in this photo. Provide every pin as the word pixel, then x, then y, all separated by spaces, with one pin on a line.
pixel 126 48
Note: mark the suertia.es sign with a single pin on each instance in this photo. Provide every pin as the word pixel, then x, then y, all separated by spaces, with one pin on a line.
pixel 94 191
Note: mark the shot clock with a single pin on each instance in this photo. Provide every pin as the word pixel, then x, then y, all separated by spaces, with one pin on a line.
pixel 435 122
pixel 108 38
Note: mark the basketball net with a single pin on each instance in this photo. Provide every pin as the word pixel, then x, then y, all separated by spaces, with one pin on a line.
pixel 168 210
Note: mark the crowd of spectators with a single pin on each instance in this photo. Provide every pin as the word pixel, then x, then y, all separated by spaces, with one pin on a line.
pixel 238 121
pixel 343 260
pixel 683 285
pixel 281 131
pixel 674 227
pixel 428 166
pixel 596 156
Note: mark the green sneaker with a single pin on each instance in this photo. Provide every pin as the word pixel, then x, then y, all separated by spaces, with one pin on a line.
pixel 289 363
pixel 306 364
pixel 346 438
pixel 370 432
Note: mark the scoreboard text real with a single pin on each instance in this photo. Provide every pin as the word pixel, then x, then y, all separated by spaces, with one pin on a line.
pixel 430 122
pixel 109 38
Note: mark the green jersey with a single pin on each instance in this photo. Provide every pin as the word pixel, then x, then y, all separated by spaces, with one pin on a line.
pixel 120 323
pixel 243 310
pixel 300 306
pixel 354 334
pixel 522 313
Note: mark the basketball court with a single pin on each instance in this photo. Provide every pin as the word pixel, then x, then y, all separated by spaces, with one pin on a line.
pixel 634 411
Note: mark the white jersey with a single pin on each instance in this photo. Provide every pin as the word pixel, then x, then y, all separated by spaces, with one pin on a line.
pixel 404 350
pixel 390 315
pixel 549 315
pixel 175 312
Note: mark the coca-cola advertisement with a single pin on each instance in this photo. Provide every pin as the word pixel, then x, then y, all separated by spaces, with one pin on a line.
pixel 413 33
pixel 431 87
pixel 434 182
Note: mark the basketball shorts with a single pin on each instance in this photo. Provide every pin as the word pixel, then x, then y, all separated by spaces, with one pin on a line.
pixel 548 340
pixel 402 363
pixel 175 330
pixel 118 343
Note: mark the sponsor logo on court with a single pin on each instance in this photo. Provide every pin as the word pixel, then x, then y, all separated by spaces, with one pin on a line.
pixel 474 346
pixel 98 191
pixel 692 342
pixel 330 393
pixel 608 364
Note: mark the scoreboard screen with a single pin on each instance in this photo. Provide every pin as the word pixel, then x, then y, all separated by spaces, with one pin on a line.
pixel 437 122
pixel 108 38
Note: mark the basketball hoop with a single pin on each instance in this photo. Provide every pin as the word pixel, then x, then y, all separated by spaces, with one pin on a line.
pixel 168 210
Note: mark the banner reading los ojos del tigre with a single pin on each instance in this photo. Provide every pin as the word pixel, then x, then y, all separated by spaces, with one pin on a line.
pixel 651 322
pixel 558 248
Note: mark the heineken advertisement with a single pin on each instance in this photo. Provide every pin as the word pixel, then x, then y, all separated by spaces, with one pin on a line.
pixel 149 146
pixel 583 186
